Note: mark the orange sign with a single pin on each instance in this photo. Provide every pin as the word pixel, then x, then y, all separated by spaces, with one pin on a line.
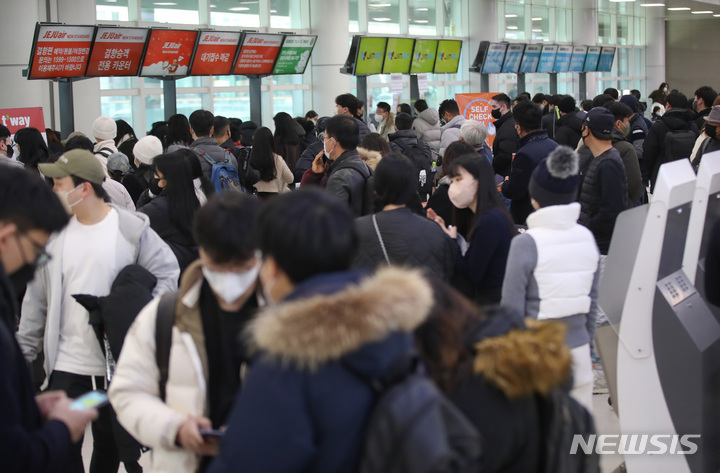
pixel 215 53
pixel 117 51
pixel 478 107
pixel 258 54
pixel 60 51
pixel 168 53
pixel 16 118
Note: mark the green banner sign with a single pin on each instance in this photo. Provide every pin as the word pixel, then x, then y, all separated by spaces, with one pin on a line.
pixel 294 55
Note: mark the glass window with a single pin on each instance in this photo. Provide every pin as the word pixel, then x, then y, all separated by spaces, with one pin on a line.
pixel 113 83
pixel 622 62
pixel 234 13
pixel 514 21
pixel 154 110
pixel 639 31
pixel 604 33
pixel 639 63
pixel 189 82
pixel 541 24
pixel 117 107
pixel 111 10
pixel 623 33
pixel 286 14
pixel 232 104
pixel 288 101
pixel 181 12
pixel 384 16
pixel 188 103
pixel 422 17
pixel 230 81
pixel 354 26
pixel 453 18
pixel 153 83
pixel 563 25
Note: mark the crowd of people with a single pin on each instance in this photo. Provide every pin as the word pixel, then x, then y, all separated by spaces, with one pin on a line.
pixel 244 295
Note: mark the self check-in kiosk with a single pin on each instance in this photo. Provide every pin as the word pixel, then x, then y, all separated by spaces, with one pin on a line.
pixel 668 341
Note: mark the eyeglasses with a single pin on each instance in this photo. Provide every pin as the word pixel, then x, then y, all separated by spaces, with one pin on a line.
pixel 42 258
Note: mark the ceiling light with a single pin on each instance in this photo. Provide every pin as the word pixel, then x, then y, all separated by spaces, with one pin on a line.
pixel 703 12
pixel 380 5
pixel 111 1
pixel 164 3
pixel 652 4
pixel 213 6
pixel 678 8
pixel 621 1
pixel 537 19
pixel 381 19
pixel 512 27
pixel 420 21
pixel 511 16
pixel 239 9
pixel 421 9
pixel 716 16
pixel 537 30
pixel 273 11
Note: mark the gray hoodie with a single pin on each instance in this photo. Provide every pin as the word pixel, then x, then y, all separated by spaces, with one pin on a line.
pixel 427 126
pixel 43 301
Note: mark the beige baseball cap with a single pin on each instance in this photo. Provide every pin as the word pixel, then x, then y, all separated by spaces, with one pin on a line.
pixel 77 162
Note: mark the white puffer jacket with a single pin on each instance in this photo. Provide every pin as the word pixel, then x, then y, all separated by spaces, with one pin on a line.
pixel 427 126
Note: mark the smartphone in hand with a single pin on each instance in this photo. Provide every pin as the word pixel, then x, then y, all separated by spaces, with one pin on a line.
pixel 90 400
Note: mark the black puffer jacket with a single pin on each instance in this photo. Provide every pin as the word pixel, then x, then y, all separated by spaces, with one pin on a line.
pixel 364 130
pixel 410 240
pixel 654 146
pixel 505 144
pixel 346 181
pixel 568 130
pixel 603 196
pixel 306 159
pixel 181 243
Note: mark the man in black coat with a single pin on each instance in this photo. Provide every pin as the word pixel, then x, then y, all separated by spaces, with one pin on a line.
pixel 704 98
pixel 347 104
pixel 36 432
pixel 222 134
pixel 569 125
pixel 506 138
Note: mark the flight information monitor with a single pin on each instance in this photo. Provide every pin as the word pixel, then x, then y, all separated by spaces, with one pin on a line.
pixel 592 59
pixel 294 55
pixel 117 51
pixel 257 54
pixel 169 53
pixel 423 58
pixel 447 59
pixel 60 51
pixel 215 53
pixel 607 55
pixel 513 57
pixel 562 58
pixel 531 58
pixel 578 59
pixel 398 55
pixel 547 58
pixel 370 56
pixel 494 58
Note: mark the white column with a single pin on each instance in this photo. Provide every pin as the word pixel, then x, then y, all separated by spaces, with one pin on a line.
pixel 329 20
pixel 17 25
pixel 482 27
pixel 584 27
pixel 655 50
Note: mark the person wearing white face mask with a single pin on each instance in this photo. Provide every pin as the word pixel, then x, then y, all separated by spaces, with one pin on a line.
pixel 480 266
pixel 385 120
pixel 206 355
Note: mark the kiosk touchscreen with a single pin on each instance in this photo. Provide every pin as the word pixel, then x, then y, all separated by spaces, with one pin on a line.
pixel 531 58
pixel 215 53
pixel 60 51
pixel 169 53
pixel 423 58
pixel 513 57
pixel 668 341
pixel 117 51
pixel 398 55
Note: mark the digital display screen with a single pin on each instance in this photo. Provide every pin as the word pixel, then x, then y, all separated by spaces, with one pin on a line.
pixel 215 53
pixel 294 55
pixel 398 55
pixel 169 53
pixel 494 58
pixel 117 51
pixel 60 51
pixel 578 59
pixel 592 59
pixel 607 55
pixel 547 58
pixel 257 54
pixel 530 59
pixel 513 57
pixel 447 60
pixel 562 59
pixel 423 58
pixel 371 53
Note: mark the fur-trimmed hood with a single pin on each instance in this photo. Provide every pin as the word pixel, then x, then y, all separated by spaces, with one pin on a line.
pixel 371 158
pixel 525 362
pixel 314 327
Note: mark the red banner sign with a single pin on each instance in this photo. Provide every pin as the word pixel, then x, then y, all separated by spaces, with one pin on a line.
pixel 117 52
pixel 168 53
pixel 478 107
pixel 16 118
pixel 60 51
pixel 215 53
pixel 258 54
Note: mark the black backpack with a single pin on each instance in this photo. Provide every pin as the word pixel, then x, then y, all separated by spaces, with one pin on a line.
pixel 368 198
pixel 164 322
pixel 421 156
pixel 679 144
pixel 414 428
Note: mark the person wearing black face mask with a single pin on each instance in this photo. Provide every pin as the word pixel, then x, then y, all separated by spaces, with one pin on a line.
pixel 37 431
pixel 506 138
pixel 712 142
pixel 6 149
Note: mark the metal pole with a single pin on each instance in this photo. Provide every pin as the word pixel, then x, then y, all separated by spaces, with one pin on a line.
pixel 362 93
pixel 583 86
pixel 256 100
pixel 169 98
pixel 67 112
pixel 484 83
pixel 553 83
pixel 414 89
pixel 521 83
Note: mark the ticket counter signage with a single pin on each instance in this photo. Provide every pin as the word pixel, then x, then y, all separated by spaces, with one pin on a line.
pixel 215 53
pixel 294 55
pixel 169 53
pixel 117 51
pixel 257 54
pixel 60 51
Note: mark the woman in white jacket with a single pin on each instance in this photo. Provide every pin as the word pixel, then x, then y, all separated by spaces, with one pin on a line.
pixel 275 175
pixel 553 268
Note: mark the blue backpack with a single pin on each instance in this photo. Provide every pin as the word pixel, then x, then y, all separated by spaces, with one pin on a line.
pixel 224 176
